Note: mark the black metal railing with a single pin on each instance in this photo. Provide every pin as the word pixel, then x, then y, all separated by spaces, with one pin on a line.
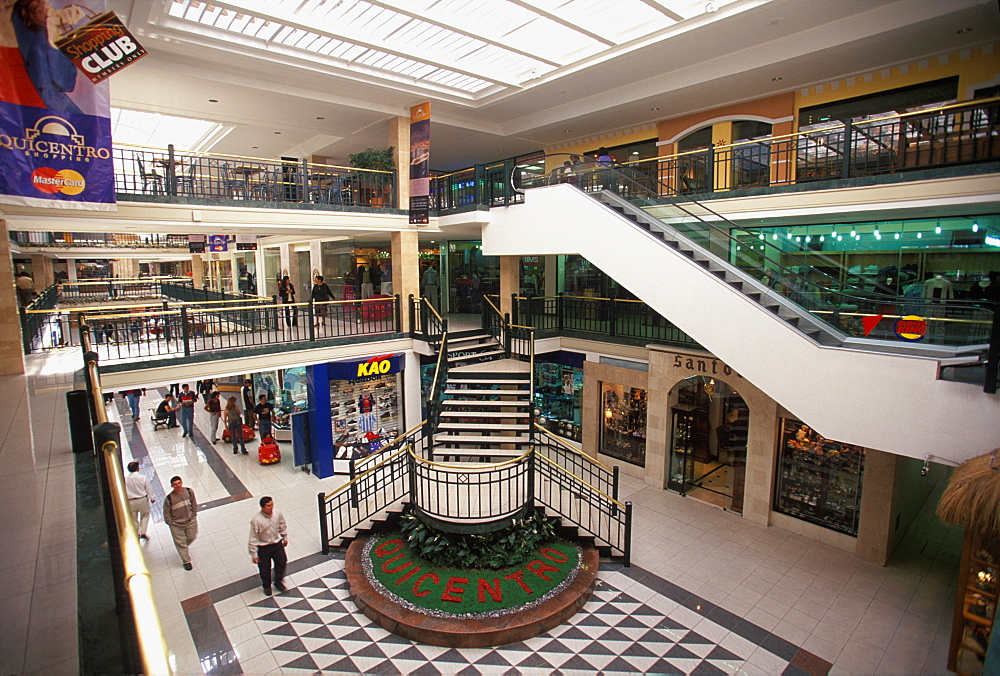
pixel 435 396
pixel 166 172
pixel 198 328
pixel 425 321
pixel 574 461
pixel 607 317
pixel 110 240
pixel 476 497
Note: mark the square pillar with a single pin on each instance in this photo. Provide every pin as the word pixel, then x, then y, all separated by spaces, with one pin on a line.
pixel 41 269
pixel 11 348
pixel 405 250
pixel 510 282
pixel 399 139
pixel 197 271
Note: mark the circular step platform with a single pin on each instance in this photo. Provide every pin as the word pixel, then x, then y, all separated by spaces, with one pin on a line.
pixel 460 631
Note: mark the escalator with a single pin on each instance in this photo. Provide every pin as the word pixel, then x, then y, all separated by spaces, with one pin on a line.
pixel 810 341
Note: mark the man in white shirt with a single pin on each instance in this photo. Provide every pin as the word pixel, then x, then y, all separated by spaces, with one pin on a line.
pixel 137 490
pixel 268 539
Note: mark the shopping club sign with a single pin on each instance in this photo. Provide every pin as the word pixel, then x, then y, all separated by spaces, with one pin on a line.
pixel 101 47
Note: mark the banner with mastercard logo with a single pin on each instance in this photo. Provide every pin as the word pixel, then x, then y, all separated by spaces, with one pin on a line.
pixel 55 126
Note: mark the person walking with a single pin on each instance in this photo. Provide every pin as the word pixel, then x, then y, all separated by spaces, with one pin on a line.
pixel 25 289
pixel 139 498
pixel 187 399
pixel 263 412
pixel 268 539
pixel 180 512
pixel 320 294
pixel 248 402
pixel 214 408
pixel 234 423
pixel 286 294
pixel 132 397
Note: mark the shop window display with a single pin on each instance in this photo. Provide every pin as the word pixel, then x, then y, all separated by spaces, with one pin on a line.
pixel 623 423
pixel 978 582
pixel 558 398
pixel 709 424
pixel 819 480
pixel 364 415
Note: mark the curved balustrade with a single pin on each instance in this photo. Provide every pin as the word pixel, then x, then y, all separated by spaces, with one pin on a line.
pixel 194 176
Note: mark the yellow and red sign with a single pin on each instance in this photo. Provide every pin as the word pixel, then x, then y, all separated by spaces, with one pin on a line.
pixel 911 327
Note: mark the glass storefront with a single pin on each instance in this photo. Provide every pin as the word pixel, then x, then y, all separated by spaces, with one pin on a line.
pixel 819 480
pixel 470 275
pixel 559 398
pixel 623 423
pixel 708 442
pixel 893 256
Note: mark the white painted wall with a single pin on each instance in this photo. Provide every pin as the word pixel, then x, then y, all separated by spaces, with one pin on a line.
pixel 887 402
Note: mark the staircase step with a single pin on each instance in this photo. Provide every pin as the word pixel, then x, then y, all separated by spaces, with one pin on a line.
pixel 482 454
pixel 483 414
pixel 481 440
pixel 482 427
pixel 482 381
pixel 471 403
pixel 481 392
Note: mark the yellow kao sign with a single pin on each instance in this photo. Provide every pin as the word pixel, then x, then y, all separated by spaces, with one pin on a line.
pixel 374 368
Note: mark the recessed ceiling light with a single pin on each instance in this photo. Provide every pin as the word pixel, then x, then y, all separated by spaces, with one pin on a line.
pixel 775 22
pixel 277 132
pixel 963 30
pixel 256 147
pixel 321 118
pixel 654 109
pixel 568 131
pixel 213 100
pixel 776 79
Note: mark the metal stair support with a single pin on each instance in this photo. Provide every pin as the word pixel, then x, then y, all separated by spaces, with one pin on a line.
pixel 875 393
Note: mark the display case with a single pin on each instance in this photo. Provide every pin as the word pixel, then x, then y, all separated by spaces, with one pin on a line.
pixel 365 415
pixel 558 398
pixel 623 423
pixel 975 610
pixel 819 480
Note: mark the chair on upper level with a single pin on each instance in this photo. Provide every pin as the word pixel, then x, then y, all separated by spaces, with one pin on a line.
pixel 149 179
pixel 269 188
pixel 185 181
pixel 233 185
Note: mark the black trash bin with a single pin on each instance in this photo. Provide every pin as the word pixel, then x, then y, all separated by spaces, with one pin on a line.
pixel 80 433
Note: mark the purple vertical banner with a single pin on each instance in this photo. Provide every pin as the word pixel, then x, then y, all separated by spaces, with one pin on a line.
pixel 420 163
pixel 55 126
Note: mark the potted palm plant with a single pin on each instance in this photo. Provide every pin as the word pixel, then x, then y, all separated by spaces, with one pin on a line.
pixel 379 160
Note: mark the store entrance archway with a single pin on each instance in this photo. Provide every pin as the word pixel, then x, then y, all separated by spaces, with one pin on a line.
pixel 708 441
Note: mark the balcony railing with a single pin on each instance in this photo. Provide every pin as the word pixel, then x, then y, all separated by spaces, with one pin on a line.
pixel 155 172
pixel 960 134
pixel 963 133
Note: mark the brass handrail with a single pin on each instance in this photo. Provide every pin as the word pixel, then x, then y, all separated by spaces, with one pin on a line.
pixel 572 448
pixel 149 632
pixel 431 306
pixel 566 471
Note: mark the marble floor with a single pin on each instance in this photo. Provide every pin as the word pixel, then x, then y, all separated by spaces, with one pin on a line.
pixel 707 591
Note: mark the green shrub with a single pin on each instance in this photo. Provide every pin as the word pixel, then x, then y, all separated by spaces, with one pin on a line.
pixel 507 547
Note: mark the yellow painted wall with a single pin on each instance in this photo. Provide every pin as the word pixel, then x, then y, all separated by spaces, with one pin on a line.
pixel 975 67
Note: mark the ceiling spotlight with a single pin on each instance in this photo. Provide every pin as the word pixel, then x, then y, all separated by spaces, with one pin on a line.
pixel 776 79
pixel 256 147
pixel 213 100
pixel 961 31
pixel 709 7
pixel 567 131
pixel 320 118
pixel 654 109
pixel 277 132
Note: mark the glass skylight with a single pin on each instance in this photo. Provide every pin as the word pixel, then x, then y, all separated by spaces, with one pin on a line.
pixel 154 130
pixel 455 46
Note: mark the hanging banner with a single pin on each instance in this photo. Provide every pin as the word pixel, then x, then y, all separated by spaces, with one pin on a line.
pixel 101 46
pixel 420 163
pixel 55 127
pixel 217 243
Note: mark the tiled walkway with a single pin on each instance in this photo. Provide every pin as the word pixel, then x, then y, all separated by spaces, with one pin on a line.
pixel 708 592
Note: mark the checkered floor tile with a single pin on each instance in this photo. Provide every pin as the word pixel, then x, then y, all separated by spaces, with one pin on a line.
pixel 314 626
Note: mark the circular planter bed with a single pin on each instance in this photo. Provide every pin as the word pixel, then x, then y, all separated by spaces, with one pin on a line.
pixel 459 608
